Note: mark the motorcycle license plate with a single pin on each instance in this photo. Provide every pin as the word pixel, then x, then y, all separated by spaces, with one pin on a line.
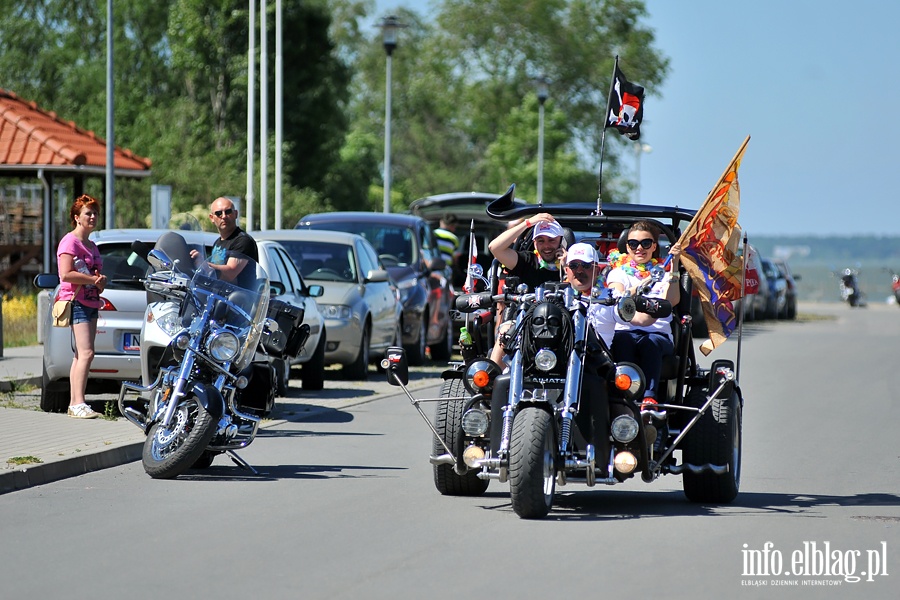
pixel 132 341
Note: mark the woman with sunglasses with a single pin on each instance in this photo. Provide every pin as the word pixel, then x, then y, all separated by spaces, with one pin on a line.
pixel 645 340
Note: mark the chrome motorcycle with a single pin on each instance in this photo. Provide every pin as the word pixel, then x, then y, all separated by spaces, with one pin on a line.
pixel 566 411
pixel 197 407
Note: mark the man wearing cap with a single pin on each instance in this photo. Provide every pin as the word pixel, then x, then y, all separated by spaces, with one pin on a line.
pixel 532 268
pixel 540 265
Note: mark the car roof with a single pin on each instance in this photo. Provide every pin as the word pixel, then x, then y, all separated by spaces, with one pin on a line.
pixel 105 236
pixel 464 205
pixel 310 235
pixel 401 219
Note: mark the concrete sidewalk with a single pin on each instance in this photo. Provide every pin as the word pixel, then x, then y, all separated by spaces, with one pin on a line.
pixel 38 447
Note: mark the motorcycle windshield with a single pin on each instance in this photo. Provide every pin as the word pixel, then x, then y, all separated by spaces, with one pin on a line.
pixel 237 304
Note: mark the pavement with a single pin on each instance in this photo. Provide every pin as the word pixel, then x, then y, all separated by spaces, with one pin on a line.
pixel 38 447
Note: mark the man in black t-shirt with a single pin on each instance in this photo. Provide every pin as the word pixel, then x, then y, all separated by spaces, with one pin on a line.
pixel 234 246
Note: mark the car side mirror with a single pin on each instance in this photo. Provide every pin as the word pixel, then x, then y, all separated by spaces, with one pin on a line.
pixel 315 291
pixel 46 281
pixel 395 365
pixel 377 276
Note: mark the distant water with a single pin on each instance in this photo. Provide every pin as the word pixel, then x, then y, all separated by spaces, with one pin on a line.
pixel 818 285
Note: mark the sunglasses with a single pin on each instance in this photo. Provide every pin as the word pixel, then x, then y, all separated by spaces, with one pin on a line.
pixel 645 244
pixel 219 213
pixel 577 265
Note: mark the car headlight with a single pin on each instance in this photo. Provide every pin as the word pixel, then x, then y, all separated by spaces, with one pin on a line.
pixel 335 311
pixel 545 359
pixel 223 346
pixel 169 323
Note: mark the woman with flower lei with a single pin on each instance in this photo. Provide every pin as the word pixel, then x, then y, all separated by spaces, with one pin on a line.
pixel 645 340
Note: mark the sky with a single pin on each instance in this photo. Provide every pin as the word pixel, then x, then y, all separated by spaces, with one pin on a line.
pixel 783 72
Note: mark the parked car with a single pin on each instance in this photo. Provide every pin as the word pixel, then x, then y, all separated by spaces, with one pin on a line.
pixel 408 249
pixel 777 286
pixel 360 303
pixel 117 345
pixel 790 296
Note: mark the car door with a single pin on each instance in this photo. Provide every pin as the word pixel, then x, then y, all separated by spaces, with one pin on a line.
pixel 379 296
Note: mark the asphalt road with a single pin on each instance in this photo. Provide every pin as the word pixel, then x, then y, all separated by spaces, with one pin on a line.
pixel 346 508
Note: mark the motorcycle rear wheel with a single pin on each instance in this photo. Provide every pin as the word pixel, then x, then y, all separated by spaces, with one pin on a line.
pixel 715 439
pixel 448 422
pixel 532 464
pixel 170 452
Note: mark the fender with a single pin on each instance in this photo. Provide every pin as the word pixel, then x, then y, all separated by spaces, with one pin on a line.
pixel 209 397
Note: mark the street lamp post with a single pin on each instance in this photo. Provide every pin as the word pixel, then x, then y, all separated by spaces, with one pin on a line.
pixel 542 95
pixel 389 28
pixel 639 149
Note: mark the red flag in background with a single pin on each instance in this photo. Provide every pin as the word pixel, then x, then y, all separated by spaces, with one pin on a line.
pixel 710 254
pixel 625 109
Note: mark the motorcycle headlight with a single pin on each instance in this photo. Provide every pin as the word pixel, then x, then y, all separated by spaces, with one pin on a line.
pixel 480 375
pixel 624 428
pixel 475 422
pixel 628 380
pixel 545 359
pixel 335 311
pixel 223 346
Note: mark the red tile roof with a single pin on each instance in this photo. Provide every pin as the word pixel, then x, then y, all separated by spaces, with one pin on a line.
pixel 33 137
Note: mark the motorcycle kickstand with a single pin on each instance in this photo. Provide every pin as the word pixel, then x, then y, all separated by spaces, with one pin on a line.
pixel 240 461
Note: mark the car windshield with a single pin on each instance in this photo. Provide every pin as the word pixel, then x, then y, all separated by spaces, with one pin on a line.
pixel 322 261
pixel 123 267
pixel 394 245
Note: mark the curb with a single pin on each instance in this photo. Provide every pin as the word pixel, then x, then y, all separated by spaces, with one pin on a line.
pixel 11 385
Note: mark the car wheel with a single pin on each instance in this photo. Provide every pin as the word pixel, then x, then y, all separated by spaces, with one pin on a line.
pixel 448 423
pixel 54 394
pixel 415 352
pixel 312 374
pixel 359 368
pixel 792 309
pixel 715 440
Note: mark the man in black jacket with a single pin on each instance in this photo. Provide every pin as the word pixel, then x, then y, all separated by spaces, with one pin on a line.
pixel 234 246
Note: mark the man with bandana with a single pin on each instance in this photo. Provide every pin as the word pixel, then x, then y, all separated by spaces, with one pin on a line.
pixel 533 268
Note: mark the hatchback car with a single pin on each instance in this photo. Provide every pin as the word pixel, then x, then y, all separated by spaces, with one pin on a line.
pixel 790 296
pixel 117 345
pixel 407 247
pixel 360 303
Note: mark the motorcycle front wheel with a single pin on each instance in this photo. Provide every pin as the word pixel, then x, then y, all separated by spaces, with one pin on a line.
pixel 532 464
pixel 169 452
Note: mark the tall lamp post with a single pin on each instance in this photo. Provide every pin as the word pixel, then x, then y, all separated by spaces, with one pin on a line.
pixel 389 28
pixel 542 95
pixel 639 149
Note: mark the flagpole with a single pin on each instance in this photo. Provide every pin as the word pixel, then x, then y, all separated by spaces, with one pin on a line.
pixel 737 369
pixel 612 84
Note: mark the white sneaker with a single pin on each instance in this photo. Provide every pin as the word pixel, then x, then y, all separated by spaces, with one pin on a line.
pixel 82 411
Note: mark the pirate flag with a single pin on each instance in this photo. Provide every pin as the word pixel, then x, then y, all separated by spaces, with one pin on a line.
pixel 626 106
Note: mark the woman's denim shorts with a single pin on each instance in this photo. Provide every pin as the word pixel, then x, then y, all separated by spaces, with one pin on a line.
pixel 83 314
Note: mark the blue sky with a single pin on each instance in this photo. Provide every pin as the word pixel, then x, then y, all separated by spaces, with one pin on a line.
pixel 813 83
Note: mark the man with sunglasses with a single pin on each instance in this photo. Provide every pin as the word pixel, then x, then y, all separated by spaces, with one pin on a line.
pixel 234 245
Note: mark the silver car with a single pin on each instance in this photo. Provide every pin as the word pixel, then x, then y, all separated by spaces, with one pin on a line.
pixel 360 303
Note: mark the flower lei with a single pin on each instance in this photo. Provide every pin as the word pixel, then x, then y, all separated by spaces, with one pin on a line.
pixel 543 264
pixel 640 270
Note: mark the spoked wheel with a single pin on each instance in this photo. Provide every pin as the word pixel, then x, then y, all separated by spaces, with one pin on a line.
pixel 448 422
pixel 532 469
pixel 169 452
pixel 716 440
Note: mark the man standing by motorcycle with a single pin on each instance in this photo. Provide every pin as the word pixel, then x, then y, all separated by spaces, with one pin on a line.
pixel 233 242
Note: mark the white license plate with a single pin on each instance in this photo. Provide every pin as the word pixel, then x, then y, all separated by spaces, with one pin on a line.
pixel 132 341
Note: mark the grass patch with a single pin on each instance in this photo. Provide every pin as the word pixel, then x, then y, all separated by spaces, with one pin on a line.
pixel 19 318
pixel 23 460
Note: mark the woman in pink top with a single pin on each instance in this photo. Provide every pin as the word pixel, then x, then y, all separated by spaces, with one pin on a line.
pixel 81 281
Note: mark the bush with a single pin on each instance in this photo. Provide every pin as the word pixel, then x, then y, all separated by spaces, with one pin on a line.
pixel 19 318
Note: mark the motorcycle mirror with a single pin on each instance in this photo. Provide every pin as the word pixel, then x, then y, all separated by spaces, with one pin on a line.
pixel 395 365
pixel 626 308
pixel 140 248
pixel 159 260
pixel 476 271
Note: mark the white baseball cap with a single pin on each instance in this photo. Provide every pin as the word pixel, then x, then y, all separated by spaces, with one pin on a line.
pixel 583 252
pixel 548 229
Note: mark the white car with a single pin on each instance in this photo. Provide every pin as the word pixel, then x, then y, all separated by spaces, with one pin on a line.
pixel 360 303
pixel 117 345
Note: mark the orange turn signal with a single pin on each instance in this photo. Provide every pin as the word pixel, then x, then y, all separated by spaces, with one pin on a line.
pixel 481 379
pixel 623 381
